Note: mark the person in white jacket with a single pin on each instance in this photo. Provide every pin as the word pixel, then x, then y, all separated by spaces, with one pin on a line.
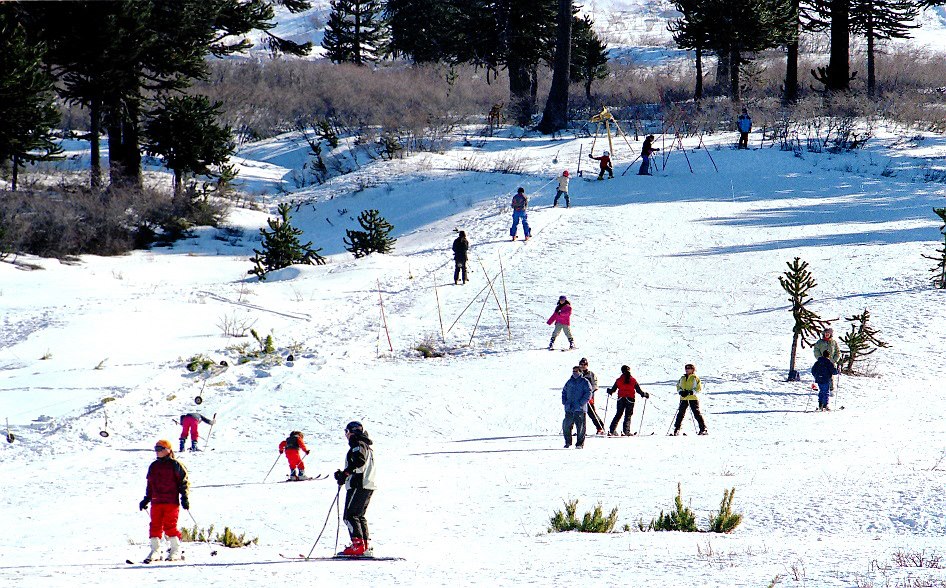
pixel 562 189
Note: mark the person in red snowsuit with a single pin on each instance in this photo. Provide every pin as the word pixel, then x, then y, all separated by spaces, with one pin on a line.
pixel 167 479
pixel 604 162
pixel 291 447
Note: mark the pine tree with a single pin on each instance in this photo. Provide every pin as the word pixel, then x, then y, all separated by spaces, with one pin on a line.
pixel 690 31
pixel 939 271
pixel 797 281
pixel 555 117
pixel 27 113
pixel 355 31
pixel 373 239
pixel 184 131
pixel 881 20
pixel 589 54
pixel 423 30
pixel 835 14
pixel 281 246
pixel 861 341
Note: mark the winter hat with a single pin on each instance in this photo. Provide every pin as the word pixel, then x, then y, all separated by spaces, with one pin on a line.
pixel 165 444
pixel 828 331
pixel 354 427
pixel 583 361
pixel 296 434
pixel 521 190
pixel 562 297
pixel 565 173
pixel 607 153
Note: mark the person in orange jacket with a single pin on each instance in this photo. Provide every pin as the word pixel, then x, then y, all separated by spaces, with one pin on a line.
pixel 291 447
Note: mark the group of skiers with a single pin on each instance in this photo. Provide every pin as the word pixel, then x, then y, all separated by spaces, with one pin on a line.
pixel 167 487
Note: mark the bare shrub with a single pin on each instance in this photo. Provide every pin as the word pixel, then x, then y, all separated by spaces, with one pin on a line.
pixel 917 559
pixel 234 326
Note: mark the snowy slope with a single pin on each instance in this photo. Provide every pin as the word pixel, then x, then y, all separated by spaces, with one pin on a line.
pixel 679 267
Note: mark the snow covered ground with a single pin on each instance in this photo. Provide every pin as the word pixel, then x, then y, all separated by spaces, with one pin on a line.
pixel 680 267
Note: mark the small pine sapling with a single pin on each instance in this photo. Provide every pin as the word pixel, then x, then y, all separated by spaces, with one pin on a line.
pixel 725 520
pixel 281 246
pixel 373 239
pixel 939 270
pixel 861 341
pixel 592 521
pixel 797 281
pixel 681 518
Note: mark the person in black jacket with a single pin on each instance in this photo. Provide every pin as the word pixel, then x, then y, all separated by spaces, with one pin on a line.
pixel 358 479
pixel 824 371
pixel 460 247
pixel 646 151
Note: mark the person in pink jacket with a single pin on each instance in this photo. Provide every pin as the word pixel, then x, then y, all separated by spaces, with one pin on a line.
pixel 562 317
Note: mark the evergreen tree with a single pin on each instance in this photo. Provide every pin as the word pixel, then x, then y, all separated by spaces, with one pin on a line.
pixel 881 20
pixel 555 117
pixel 589 54
pixel 281 246
pixel 373 239
pixel 691 32
pixel 27 113
pixel 184 131
pixel 835 14
pixel 424 31
pixel 797 281
pixel 354 32
pixel 939 271
pixel 861 341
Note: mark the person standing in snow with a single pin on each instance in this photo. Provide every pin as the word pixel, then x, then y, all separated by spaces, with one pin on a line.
pixel 824 372
pixel 575 396
pixel 593 380
pixel 519 204
pixel 604 163
pixel 744 125
pixel 291 447
pixel 167 480
pixel 562 317
pixel 460 247
pixel 646 150
pixel 687 387
pixel 358 479
pixel 562 189
pixel 828 343
pixel 189 424
pixel 626 386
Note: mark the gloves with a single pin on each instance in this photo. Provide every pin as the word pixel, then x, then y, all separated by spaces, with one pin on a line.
pixel 610 391
pixel 340 477
pixel 280 452
pixel 143 504
pixel 684 393
pixel 645 394
pixel 307 453
pixel 185 503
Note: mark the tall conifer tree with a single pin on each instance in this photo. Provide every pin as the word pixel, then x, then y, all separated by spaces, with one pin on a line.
pixel 355 32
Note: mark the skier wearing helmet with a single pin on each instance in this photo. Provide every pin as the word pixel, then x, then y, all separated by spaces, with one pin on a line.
pixel 358 479
pixel 605 162
pixel 562 189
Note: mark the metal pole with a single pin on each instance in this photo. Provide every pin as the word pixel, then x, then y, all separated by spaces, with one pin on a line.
pixel 643 410
pixel 207 439
pixel 334 501
pixel 272 468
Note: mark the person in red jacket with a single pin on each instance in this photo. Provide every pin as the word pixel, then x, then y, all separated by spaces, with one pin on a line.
pixel 604 162
pixel 291 447
pixel 562 317
pixel 626 386
pixel 167 479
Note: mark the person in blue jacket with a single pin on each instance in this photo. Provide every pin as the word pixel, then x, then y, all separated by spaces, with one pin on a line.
pixel 823 371
pixel 744 125
pixel 575 396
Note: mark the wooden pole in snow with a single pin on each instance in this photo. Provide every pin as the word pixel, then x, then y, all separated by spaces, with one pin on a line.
pixel 443 337
pixel 384 320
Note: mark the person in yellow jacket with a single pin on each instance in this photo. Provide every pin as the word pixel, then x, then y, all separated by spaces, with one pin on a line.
pixel 687 387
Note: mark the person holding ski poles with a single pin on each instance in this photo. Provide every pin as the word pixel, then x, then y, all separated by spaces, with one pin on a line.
pixel 824 371
pixel 460 248
pixel 646 150
pixel 593 380
pixel 519 204
pixel 291 447
pixel 167 480
pixel 575 395
pixel 604 163
pixel 626 386
pixel 189 424
pixel 562 317
pixel 687 387
pixel 744 125
pixel 358 479
pixel 562 189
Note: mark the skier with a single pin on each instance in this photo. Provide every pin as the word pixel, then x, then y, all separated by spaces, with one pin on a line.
pixel 291 447
pixel 575 396
pixel 688 386
pixel 358 479
pixel 189 423
pixel 460 247
pixel 829 344
pixel 562 317
pixel 519 204
pixel 646 151
pixel 626 386
pixel 604 162
pixel 562 189
pixel 824 372
pixel 167 479
pixel 744 124
pixel 593 380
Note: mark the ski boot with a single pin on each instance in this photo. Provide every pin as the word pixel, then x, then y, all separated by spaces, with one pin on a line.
pixel 154 554
pixel 180 448
pixel 194 445
pixel 174 554
pixel 356 548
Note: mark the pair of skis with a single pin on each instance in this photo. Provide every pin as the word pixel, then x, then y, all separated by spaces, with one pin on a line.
pixel 307 478
pixel 301 557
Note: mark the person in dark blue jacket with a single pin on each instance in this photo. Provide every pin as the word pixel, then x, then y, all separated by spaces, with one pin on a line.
pixel 823 371
pixel 575 396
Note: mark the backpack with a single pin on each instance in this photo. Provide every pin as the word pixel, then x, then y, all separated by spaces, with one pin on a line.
pixel 292 442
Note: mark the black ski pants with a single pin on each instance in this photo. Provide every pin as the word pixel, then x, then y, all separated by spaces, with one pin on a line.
pixel 459 267
pixel 595 417
pixel 625 406
pixel 694 406
pixel 356 504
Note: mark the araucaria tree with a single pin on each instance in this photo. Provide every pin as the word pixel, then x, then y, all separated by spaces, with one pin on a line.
pixel 355 31
pixel 555 117
pixel 861 341
pixel 373 239
pixel 881 20
pixel 589 54
pixel 836 14
pixel 939 271
pixel 797 281
pixel 281 246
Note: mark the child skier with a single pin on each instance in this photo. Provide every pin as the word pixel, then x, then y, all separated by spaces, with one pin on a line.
pixel 167 479
pixel 358 479
pixel 824 371
pixel 604 162
pixel 646 151
pixel 687 387
pixel 519 204
pixel 626 386
pixel 291 447
pixel 562 317
pixel 189 424
pixel 562 189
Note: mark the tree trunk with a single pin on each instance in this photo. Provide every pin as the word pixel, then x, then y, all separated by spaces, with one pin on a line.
pixel 722 70
pixel 839 67
pixel 95 128
pixel 790 94
pixel 871 80
pixel 555 116
pixel 16 171
pixel 735 60
pixel 698 87
pixel 792 373
pixel 520 93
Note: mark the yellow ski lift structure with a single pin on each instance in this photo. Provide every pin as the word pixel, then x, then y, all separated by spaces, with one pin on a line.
pixel 605 120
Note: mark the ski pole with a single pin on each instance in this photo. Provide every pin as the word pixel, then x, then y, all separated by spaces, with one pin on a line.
pixel 331 506
pixel 192 518
pixel 606 403
pixel 207 439
pixel 643 410
pixel 272 468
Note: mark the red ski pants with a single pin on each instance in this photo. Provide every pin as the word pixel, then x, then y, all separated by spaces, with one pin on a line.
pixel 164 520
pixel 295 460
pixel 189 424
